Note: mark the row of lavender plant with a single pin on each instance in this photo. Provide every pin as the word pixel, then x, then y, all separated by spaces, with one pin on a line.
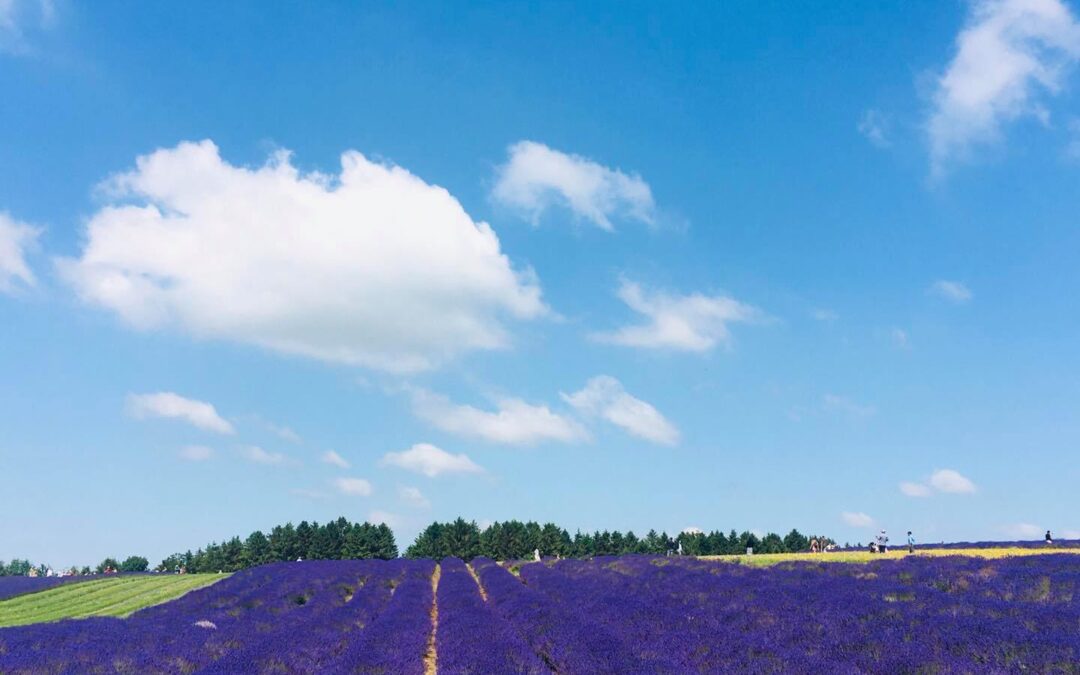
pixel 946 614
pixel 190 633
pixel 471 638
pixel 570 642
pixel 13 586
pixel 396 641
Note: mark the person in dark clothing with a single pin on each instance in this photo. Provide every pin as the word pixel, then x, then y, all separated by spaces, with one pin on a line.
pixel 1049 539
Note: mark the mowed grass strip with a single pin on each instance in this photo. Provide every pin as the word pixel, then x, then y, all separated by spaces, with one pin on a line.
pixel 766 559
pixel 118 596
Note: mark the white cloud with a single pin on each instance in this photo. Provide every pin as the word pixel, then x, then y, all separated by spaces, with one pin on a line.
pixel 196 453
pixel 900 338
pixel 15 239
pixel 331 457
pixel 1023 531
pixel 20 17
pixel 168 405
pixel 857 519
pixel 953 291
pixel 430 460
pixel 254 453
pixel 842 404
pixel 515 422
pixel 413 497
pixel 824 315
pixel 875 127
pixel 372 267
pixel 604 396
pixel 915 489
pixel 693 530
pixel 692 322
pixel 947 481
pixel 357 487
pixel 1008 54
pixel 536 177
pixel 285 433
pixel 952 482
pixel 1071 534
pixel 385 518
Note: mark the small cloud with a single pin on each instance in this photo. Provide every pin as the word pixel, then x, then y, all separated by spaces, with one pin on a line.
pixel 254 453
pixel 536 177
pixel 915 489
pixel 287 434
pixel 413 497
pixel 844 405
pixel 1023 530
pixel 384 518
pixel 952 482
pixel 946 481
pixel 875 127
pixel 20 20
pixel 824 315
pixel 856 519
pixel 431 461
pixel 1071 534
pixel 353 486
pixel 196 453
pixel 168 405
pixel 331 457
pixel 900 338
pixel 693 530
pixel 16 239
pixel 953 291
pixel 515 422
pixel 604 396
pixel 692 323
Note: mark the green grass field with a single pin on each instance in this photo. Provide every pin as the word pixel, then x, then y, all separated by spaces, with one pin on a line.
pixel 117 596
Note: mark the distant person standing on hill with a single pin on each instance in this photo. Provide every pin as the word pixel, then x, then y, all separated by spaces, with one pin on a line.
pixel 883 542
pixel 1049 539
pixel 910 542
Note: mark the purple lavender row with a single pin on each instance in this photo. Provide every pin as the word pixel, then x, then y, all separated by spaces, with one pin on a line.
pixel 472 639
pixel 179 636
pixel 396 641
pixel 570 642
pixel 11 587
pixel 948 614
pixel 327 612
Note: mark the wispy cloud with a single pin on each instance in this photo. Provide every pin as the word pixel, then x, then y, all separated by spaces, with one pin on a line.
pixel 536 177
pixel 844 405
pixel 874 126
pixel 16 238
pixel 695 322
pixel 257 455
pixel 915 489
pixel 605 396
pixel 1023 530
pixel 431 461
pixel 1010 54
pixel 515 422
pixel 953 291
pixel 196 453
pixel 413 497
pixel 331 457
pixel 357 487
pixel 169 405
pixel 856 519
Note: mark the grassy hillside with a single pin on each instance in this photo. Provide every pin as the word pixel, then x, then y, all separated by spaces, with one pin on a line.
pixel 118 596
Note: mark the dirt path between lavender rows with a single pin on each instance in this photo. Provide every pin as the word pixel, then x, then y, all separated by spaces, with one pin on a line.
pixel 431 657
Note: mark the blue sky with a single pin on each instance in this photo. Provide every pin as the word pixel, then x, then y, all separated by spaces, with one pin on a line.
pixel 611 265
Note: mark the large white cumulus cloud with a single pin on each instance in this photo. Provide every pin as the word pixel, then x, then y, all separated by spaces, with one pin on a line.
pixel 373 267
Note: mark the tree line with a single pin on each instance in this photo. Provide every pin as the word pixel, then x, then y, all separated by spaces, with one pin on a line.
pixel 21 567
pixel 514 540
pixel 336 540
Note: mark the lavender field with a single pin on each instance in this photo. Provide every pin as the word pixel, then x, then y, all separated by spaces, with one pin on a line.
pixel 630 614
